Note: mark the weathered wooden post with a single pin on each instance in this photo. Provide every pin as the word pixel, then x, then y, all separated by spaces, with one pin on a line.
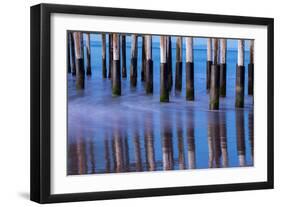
pixel 134 59
pixel 169 63
pixel 240 76
pixel 110 50
pixel 223 46
pixel 240 133
pixel 124 68
pixel 143 50
pixel 103 36
pixel 116 73
pixel 251 70
pixel 164 90
pixel 215 78
pixel 72 55
pixel 209 63
pixel 80 72
pixel 68 53
pixel 189 69
pixel 88 54
pixel 149 65
pixel 178 84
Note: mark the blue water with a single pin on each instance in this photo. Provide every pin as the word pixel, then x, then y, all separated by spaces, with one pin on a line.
pixel 135 132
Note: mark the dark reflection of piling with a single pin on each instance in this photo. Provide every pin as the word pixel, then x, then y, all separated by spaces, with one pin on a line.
pixel 149 142
pixel 167 145
pixel 179 127
pixel 137 145
pixel 91 155
pixel 126 154
pixel 191 141
pixel 79 147
pixel 214 142
pixel 118 151
pixel 251 133
pixel 240 135
pixel 107 154
pixel 223 139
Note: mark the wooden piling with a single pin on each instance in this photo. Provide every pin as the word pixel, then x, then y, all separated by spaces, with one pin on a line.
pixel 103 36
pixel 110 50
pixel 240 76
pixel 143 66
pixel 134 59
pixel 149 65
pixel 68 53
pixel 124 68
pixel 223 46
pixel 80 72
pixel 251 70
pixel 214 82
pixel 116 73
pixel 72 55
pixel 88 54
pixel 189 69
pixel 164 90
pixel 209 63
pixel 178 84
pixel 169 63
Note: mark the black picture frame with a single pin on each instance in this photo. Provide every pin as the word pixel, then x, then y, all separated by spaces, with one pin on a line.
pixel 41 97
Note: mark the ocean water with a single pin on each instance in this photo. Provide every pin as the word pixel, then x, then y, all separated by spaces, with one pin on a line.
pixel 136 133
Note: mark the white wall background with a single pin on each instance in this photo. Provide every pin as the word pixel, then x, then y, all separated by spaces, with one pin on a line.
pixel 14 101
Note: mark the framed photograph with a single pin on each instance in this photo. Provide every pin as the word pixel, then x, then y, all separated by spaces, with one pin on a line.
pixel 132 103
